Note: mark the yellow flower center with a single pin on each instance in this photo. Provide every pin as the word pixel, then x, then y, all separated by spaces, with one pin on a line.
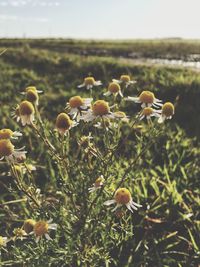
pixel 6 134
pixel 147 111
pixel 100 108
pixel 29 225
pixel 63 122
pixel 33 88
pixel 147 97
pixel 1 241
pixel 98 181
pixel 40 228
pixel 114 87
pixel 89 81
pixel 6 148
pixel 76 102
pixel 125 78
pixel 168 109
pixel 122 196
pixel 32 95
pixel 26 108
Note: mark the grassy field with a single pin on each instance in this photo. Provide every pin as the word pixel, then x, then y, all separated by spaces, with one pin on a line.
pixel 164 177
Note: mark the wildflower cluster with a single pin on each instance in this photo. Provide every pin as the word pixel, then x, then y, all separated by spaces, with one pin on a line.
pixel 84 145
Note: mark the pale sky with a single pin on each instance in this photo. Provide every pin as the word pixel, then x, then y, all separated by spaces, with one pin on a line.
pixel 102 19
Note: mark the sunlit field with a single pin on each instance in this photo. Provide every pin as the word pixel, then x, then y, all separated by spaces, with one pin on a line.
pixel 100 157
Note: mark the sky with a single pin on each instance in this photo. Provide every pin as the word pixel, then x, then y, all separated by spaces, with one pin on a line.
pixel 100 19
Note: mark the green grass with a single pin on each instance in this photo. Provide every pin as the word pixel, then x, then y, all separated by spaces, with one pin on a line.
pixel 164 178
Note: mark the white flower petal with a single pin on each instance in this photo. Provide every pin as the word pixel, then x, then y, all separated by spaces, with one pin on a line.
pixel 109 202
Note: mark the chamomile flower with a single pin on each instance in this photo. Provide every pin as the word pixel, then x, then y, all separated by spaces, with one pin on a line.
pixel 26 112
pixel 100 109
pixel 97 184
pixel 32 94
pixel 77 104
pixel 89 83
pixel 9 134
pixel 147 99
pixel 64 123
pixel 34 89
pixel 114 88
pixel 28 225
pixel 149 112
pixel 41 228
pixel 8 151
pixel 123 197
pixel 3 241
pixel 124 79
pixel 167 112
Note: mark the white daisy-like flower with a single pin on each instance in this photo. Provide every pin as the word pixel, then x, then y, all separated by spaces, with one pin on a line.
pixel 76 105
pixel 147 99
pixel 97 184
pixel 167 112
pixel 64 123
pixel 41 228
pixel 8 151
pixel 89 83
pixel 9 134
pixel 114 89
pixel 3 241
pixel 100 109
pixel 26 113
pixel 124 79
pixel 123 197
pixel 148 113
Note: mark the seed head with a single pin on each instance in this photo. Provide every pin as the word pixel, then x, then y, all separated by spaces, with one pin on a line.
pixel 125 78
pixel 168 109
pixel 147 111
pixel 63 122
pixel 114 87
pixel 89 81
pixel 6 134
pixel 26 108
pixel 122 196
pixel 147 97
pixel 6 148
pixel 40 228
pixel 76 102
pixel 33 88
pixel 32 95
pixel 100 108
